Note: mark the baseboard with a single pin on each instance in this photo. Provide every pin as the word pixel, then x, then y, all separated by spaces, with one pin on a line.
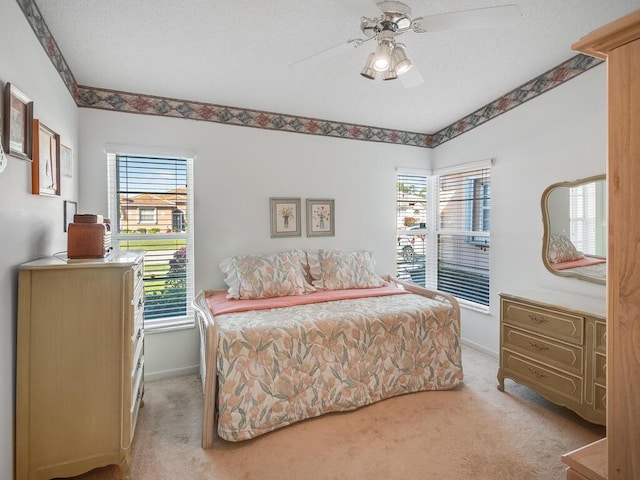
pixel 480 348
pixel 176 372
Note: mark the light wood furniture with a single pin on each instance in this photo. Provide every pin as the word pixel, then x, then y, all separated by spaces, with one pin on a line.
pixel 619 43
pixel 587 463
pixel 80 364
pixel 555 344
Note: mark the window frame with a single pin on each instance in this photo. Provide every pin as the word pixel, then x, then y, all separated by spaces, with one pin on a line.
pixel 176 322
pixel 433 230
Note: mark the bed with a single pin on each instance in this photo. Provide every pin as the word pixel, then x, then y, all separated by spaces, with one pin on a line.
pixel 270 362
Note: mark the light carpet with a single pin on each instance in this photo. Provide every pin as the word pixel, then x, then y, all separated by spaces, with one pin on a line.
pixel 472 432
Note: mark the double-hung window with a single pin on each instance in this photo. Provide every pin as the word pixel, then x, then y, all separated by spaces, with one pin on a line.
pixel 443 229
pixel 151 209
pixel 583 217
pixel 411 226
pixel 463 234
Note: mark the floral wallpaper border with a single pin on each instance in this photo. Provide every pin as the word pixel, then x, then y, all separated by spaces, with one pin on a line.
pixel 516 97
pixel 92 97
pixel 150 105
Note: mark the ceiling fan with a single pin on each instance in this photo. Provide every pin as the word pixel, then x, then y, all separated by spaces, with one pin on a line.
pixel 390 58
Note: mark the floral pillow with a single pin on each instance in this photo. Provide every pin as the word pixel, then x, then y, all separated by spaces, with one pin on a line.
pixel 562 250
pixel 251 277
pixel 337 270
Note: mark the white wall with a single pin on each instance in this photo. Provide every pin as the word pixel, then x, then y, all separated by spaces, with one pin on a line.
pixel 558 136
pixel 236 170
pixel 30 226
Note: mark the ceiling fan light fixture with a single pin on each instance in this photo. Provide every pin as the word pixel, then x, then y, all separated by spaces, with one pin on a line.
pixel 390 74
pixel 368 70
pixel 401 61
pixel 382 60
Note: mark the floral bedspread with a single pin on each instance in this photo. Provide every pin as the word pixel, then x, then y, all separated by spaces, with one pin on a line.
pixel 280 366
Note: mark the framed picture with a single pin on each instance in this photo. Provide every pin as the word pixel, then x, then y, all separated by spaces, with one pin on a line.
pixel 285 217
pixel 66 161
pixel 45 169
pixel 70 209
pixel 17 130
pixel 320 218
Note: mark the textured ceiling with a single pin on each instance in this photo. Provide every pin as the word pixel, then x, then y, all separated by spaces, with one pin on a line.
pixel 238 52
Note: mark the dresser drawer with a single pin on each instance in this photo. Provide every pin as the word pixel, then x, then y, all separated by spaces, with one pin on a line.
pixel 559 325
pixel 138 352
pixel 137 379
pixel 600 373
pixel 138 275
pixel 137 304
pixel 565 385
pixel 600 399
pixel 601 337
pixel 136 404
pixel 559 355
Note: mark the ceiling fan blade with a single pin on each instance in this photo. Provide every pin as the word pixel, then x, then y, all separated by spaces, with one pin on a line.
pixel 412 78
pixel 330 52
pixel 489 17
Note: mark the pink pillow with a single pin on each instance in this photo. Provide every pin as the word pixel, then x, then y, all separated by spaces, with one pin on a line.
pixel 340 270
pixel 251 277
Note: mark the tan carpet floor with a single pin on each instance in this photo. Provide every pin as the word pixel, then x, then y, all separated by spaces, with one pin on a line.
pixel 472 432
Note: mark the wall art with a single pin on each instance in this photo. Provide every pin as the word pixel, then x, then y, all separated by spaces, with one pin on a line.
pixel 18 123
pixel 66 161
pixel 285 217
pixel 70 209
pixel 45 169
pixel 320 217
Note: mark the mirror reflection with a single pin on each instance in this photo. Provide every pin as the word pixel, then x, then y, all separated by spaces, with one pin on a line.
pixel 575 229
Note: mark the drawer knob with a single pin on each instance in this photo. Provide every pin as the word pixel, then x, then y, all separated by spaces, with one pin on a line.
pixel 538 346
pixel 537 318
pixel 537 373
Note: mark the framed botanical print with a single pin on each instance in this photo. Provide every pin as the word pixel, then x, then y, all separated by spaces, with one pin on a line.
pixel 70 210
pixel 66 161
pixel 285 217
pixel 18 123
pixel 320 217
pixel 45 169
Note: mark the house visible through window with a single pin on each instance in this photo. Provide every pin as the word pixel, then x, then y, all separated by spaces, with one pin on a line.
pixel 147 215
pixel 151 209
pixel 452 231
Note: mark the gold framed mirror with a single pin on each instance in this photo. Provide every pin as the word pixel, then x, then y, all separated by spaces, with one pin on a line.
pixel 574 215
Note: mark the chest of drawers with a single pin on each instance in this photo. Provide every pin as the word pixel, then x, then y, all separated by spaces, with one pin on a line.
pixel 557 351
pixel 80 364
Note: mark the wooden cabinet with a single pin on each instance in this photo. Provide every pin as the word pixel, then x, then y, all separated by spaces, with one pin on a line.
pixel 619 43
pixel 80 364
pixel 587 463
pixel 555 350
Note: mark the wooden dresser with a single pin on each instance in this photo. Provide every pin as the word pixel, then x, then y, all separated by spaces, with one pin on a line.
pixel 80 364
pixel 555 344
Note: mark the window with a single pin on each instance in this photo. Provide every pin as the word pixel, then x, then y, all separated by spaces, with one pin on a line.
pixel 151 209
pixel 463 234
pixel 583 217
pixel 411 225
pixel 147 215
pixel 443 224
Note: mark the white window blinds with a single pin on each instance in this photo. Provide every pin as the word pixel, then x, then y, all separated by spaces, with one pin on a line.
pixel 151 207
pixel 464 204
pixel 411 226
